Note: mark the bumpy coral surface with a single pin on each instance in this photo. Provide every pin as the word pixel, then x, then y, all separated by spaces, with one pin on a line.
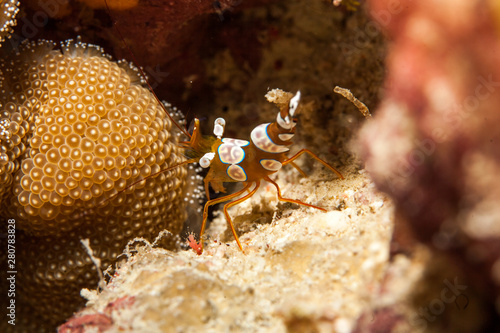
pixel 9 9
pixel 14 130
pixel 94 135
pixel 78 128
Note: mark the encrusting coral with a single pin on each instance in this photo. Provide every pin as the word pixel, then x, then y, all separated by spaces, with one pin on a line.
pixel 7 17
pixel 77 128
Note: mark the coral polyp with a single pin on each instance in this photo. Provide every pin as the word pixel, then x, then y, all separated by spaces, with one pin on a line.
pixel 7 17
pixel 80 111
pixel 75 129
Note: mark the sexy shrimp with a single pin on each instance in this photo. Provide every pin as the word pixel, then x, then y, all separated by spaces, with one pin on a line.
pixel 237 160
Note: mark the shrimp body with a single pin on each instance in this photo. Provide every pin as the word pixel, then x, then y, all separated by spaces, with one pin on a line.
pixel 249 162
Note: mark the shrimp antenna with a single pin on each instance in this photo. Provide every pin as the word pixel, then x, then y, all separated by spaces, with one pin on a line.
pixel 142 71
pixel 143 179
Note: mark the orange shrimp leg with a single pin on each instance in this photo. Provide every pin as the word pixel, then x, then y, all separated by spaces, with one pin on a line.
pixel 298 202
pixel 236 202
pixel 222 199
pixel 298 169
pixel 302 151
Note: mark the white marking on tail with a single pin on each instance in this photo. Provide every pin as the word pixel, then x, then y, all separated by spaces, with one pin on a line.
pixel 285 136
pixel 261 140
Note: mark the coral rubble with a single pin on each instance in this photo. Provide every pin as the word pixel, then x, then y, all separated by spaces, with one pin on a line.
pixel 307 271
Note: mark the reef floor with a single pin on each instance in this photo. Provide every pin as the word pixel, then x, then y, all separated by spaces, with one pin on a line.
pixel 303 270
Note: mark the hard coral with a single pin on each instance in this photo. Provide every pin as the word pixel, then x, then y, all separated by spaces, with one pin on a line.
pixel 14 128
pixel 95 133
pixel 78 128
pixel 7 17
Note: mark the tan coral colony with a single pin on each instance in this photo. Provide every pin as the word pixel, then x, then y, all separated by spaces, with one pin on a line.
pixel 76 128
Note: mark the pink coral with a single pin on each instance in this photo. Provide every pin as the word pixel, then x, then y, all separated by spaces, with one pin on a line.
pixel 433 143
